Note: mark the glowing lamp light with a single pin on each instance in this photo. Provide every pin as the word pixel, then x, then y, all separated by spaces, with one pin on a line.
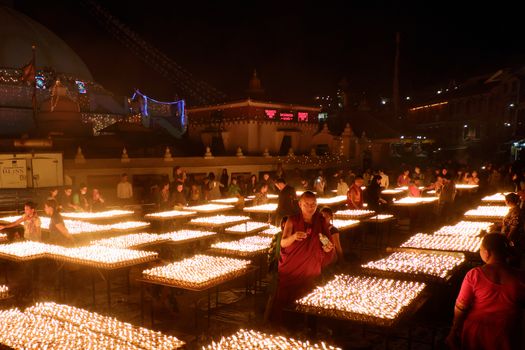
pixel 353 213
pixel 496 197
pixel 108 214
pixel 250 339
pixel 381 217
pixel 247 228
pixel 232 200
pixel 209 208
pixel 466 187
pixel 263 208
pixel 331 200
pixel 171 214
pixel 245 246
pixel 465 228
pixel 271 231
pixel 446 243
pixel 489 212
pixel 414 200
pixel 54 326
pixel 344 224
pixel 433 264
pixel 361 298
pixel 392 191
pixel 198 271
pixel 218 220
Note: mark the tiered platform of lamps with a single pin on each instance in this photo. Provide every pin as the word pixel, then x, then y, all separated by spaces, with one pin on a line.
pixel 373 300
pixel 466 187
pixel 342 225
pixel 169 215
pixel 392 191
pixel 94 256
pixel 431 266
pixel 381 218
pixel 77 227
pixel 337 200
pixel 101 215
pixel 355 214
pixel 55 326
pixel 3 237
pixel 250 339
pixel 218 221
pixel 231 200
pixel 270 196
pixel 198 272
pixel 245 247
pixel 263 208
pixel 495 198
pixel 443 243
pixel 487 213
pixel 414 201
pixel 249 227
pixel 465 228
pixel 270 231
pixel 105 257
pixel 209 208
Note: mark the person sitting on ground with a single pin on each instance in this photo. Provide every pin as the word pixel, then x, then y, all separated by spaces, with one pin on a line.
pixel 179 199
pixel 58 233
pixel 31 222
pixel 261 197
pixel 487 314
pixel 413 188
pixel 53 194
pixel 195 194
pixel 233 190
pixel 80 199
pixel 97 201
pixel 163 197
pixel 65 200
pixel 403 179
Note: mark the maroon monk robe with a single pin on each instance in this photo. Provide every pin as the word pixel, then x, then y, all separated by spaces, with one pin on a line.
pixel 300 263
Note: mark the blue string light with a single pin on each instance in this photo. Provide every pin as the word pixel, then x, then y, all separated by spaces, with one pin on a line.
pixel 181 107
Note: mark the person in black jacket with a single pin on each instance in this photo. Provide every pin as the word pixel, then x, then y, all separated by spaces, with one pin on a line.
pixel 373 194
pixel 287 203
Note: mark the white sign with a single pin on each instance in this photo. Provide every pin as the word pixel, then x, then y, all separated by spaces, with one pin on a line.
pixel 13 173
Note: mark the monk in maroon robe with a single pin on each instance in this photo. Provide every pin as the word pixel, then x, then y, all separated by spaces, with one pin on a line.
pixel 303 255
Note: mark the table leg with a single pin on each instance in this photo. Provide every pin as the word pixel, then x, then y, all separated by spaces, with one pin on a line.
pixel 217 296
pixel 128 284
pixel 141 304
pixel 93 287
pixel 108 288
pixel 209 306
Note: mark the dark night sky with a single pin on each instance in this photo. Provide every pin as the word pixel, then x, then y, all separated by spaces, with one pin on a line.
pixel 299 50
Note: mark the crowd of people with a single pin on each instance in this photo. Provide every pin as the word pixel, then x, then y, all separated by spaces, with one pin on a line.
pixel 487 309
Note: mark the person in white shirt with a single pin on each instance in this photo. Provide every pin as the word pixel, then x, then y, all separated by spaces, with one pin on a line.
pixel 342 187
pixel 385 182
pixel 124 190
